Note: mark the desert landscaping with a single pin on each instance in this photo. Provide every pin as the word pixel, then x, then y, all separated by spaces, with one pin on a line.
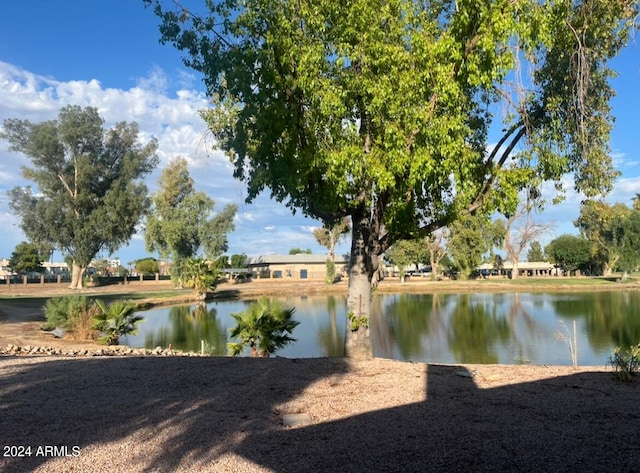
pixel 156 412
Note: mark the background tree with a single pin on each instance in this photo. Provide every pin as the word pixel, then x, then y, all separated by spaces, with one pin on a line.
pixel 90 195
pixel 222 262
pixel 404 253
pixel 101 265
pixel 595 224
pixel 435 244
pixel 239 260
pixel 147 266
pixel 181 221
pixel 570 252
pixel 625 241
pixel 27 257
pixel 331 234
pixel 299 251
pixel 472 238
pixel 380 111
pixel 535 253
pixel 521 230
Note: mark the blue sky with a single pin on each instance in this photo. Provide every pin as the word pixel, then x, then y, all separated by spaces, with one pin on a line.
pixel 107 55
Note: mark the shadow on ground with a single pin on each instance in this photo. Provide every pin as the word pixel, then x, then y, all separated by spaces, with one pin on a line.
pixel 197 406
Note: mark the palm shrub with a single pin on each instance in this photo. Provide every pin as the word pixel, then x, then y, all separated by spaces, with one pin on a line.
pixel 116 320
pixel 626 363
pixel 264 327
pixel 200 276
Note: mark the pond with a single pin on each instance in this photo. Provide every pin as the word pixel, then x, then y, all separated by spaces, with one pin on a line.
pixel 433 328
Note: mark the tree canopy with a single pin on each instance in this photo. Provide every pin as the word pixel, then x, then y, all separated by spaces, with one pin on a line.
pixel 407 252
pixel 535 253
pixel 381 110
pixel 27 257
pixel 471 238
pixel 596 223
pixel 89 194
pixel 181 221
pixel 570 252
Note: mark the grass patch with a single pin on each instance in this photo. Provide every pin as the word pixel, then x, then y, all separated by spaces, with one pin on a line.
pixel 556 282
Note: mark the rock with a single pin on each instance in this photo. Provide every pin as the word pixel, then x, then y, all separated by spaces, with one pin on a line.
pixel 296 420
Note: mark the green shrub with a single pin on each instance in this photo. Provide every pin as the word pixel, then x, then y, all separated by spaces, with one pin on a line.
pixel 331 272
pixel 61 311
pixel 626 363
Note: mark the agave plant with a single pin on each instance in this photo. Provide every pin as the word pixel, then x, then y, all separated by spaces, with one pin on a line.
pixel 116 320
pixel 264 327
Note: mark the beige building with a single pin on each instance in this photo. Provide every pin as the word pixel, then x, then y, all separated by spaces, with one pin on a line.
pixel 525 268
pixel 301 266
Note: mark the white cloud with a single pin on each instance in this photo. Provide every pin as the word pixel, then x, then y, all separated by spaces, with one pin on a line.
pixel 175 122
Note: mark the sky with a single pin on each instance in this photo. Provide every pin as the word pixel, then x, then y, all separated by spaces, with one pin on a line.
pixel 107 55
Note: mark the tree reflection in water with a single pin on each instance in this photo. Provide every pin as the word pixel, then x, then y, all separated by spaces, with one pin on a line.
pixel 331 336
pixel 190 327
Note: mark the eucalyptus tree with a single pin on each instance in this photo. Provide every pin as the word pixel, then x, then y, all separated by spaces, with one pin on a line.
pixel 521 230
pixel 435 243
pixel 625 238
pixel 181 221
pixel 329 235
pixel 596 224
pixel 90 195
pixel 381 110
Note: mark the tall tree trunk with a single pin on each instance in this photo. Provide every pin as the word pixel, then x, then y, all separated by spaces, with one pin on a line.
pixel 77 271
pixel 514 271
pixel 362 266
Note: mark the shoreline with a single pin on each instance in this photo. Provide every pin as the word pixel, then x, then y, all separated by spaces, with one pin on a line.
pixel 20 323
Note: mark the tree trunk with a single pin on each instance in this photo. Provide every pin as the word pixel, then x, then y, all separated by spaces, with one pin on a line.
pixel 514 271
pixel 77 271
pixel 362 266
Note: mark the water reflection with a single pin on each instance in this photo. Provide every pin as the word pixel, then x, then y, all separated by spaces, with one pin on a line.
pixel 435 328
pixel 191 329
pixel 331 335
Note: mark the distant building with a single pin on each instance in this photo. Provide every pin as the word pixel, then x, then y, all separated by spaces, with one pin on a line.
pixel 5 271
pixel 300 266
pixel 525 268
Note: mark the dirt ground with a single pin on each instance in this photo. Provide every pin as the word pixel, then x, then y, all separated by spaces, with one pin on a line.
pixel 148 414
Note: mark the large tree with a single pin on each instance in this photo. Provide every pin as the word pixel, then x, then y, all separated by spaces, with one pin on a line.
pixel 381 110
pixel 569 252
pixel 595 223
pixel 625 238
pixel 182 222
pixel 89 194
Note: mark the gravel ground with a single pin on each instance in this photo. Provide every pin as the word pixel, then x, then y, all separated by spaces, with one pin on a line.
pixel 165 413
pixel 147 414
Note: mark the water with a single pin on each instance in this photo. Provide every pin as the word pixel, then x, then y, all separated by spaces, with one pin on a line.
pixel 433 328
